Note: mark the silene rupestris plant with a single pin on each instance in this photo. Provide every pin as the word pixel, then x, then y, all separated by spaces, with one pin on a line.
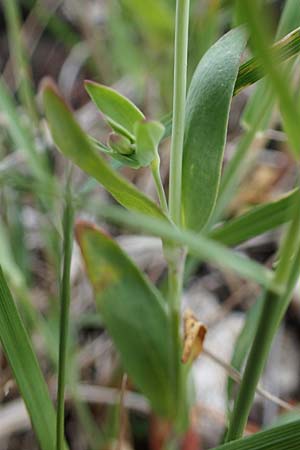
pixel 144 321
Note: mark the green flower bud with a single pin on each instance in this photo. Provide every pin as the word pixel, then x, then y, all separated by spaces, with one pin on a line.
pixel 120 144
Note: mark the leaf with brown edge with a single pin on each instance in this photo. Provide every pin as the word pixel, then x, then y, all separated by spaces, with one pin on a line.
pixel 194 335
pixel 135 315
pixel 74 144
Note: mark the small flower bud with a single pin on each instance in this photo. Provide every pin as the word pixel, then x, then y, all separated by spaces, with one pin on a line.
pixel 120 144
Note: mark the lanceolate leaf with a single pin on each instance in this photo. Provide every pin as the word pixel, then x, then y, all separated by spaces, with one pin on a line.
pixel 120 112
pixel 197 244
pixel 256 221
pixel 207 111
pixel 134 314
pixel 26 370
pixel 284 437
pixel 75 145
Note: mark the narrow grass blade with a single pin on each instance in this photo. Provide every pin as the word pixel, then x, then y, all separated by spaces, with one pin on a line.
pixel 198 245
pixel 251 12
pixel 207 113
pixel 65 297
pixel 243 342
pixel 75 145
pixel 20 135
pixel 251 71
pixel 20 62
pixel 274 307
pixel 26 370
pixel 289 21
pixel 284 437
pixel 256 221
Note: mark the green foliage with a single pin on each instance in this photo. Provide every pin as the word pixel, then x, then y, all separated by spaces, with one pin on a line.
pixel 208 103
pixel 80 150
pixel 148 135
pixel 135 315
pixel 285 437
pixel 256 221
pixel 119 112
pixel 26 370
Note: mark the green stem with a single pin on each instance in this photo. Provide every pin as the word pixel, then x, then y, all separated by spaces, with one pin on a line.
pixel 65 295
pixel 179 98
pixel 271 316
pixel 158 184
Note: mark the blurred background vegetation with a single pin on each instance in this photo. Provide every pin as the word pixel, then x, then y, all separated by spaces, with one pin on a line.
pixel 127 44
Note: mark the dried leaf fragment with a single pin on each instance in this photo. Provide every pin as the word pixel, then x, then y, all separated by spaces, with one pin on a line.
pixel 194 335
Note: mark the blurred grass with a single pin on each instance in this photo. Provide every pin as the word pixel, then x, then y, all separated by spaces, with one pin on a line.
pixel 130 44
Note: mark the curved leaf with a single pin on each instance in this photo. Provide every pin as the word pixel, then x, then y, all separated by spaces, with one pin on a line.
pixel 284 437
pixel 135 315
pixel 76 145
pixel 256 221
pixel 207 111
pixel 148 135
pixel 120 112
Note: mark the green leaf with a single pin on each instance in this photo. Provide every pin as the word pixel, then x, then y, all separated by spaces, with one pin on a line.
pixel 120 112
pixel 251 11
pixel 21 135
pixel 148 135
pixel 76 145
pixel 207 111
pixel 256 221
pixel 244 341
pixel 198 245
pixel 135 315
pixel 284 437
pixel 26 370
pixel 289 20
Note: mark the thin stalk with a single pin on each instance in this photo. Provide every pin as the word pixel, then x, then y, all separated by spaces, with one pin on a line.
pixel 273 310
pixel 179 99
pixel 65 294
pixel 155 165
pixel 20 63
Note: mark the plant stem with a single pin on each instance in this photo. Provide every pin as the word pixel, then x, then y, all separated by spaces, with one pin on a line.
pixel 65 295
pixel 179 98
pixel 158 183
pixel 273 310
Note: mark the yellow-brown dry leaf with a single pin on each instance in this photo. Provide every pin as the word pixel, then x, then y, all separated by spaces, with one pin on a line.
pixel 194 334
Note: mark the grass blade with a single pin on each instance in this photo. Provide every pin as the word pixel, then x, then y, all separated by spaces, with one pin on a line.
pixel 20 63
pixel 285 437
pixel 289 21
pixel 197 244
pixel 65 296
pixel 256 221
pixel 26 370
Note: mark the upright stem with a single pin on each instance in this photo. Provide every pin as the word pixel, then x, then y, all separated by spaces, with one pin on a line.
pixel 175 256
pixel 155 165
pixel 64 318
pixel 272 313
pixel 179 98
